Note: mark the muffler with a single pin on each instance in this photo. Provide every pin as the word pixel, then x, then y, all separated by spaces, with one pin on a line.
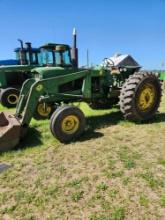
pixel 10 131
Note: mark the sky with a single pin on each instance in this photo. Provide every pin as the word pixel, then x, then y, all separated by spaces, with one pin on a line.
pixel 105 27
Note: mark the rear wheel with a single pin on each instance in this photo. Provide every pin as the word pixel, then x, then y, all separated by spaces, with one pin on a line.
pixel 140 96
pixel 9 97
pixel 67 123
pixel 43 111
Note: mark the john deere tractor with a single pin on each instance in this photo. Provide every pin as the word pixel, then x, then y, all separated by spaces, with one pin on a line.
pixel 116 81
pixel 13 76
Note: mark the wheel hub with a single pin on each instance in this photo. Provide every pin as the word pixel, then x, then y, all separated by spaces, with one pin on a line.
pixel 70 124
pixel 43 109
pixel 12 99
pixel 146 97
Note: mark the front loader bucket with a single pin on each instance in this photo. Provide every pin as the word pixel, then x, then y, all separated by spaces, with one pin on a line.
pixel 10 131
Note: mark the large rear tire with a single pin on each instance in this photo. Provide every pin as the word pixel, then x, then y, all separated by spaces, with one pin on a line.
pixel 140 96
pixel 67 123
pixel 9 97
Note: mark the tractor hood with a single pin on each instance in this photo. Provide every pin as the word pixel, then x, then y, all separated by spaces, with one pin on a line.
pixel 9 66
pixel 48 72
pixel 122 60
pixel 15 68
pixel 10 73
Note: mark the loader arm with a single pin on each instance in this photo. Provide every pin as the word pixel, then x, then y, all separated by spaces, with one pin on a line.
pixel 35 90
pixel 14 127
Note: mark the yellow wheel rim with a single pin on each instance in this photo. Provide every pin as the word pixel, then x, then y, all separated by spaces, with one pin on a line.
pixel 43 109
pixel 70 124
pixel 12 99
pixel 147 97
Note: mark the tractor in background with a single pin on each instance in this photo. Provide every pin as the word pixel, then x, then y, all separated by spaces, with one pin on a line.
pixel 22 55
pixel 55 88
pixel 13 75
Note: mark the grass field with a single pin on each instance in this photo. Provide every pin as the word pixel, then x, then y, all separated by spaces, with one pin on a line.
pixel 115 171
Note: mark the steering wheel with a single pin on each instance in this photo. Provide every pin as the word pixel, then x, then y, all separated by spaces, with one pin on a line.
pixel 108 62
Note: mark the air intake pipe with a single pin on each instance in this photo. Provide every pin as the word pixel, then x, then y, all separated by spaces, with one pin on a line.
pixel 22 53
pixel 29 49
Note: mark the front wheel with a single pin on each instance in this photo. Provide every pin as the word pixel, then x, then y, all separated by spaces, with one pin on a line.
pixel 43 111
pixel 67 123
pixel 140 96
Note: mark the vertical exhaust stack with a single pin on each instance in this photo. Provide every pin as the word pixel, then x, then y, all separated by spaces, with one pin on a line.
pixel 22 53
pixel 29 48
pixel 21 42
pixel 74 50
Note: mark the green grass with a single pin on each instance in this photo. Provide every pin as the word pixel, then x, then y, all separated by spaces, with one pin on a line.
pixel 116 214
pixel 76 196
pixel 102 187
pixel 143 200
pixel 162 201
pixel 161 161
pixel 114 171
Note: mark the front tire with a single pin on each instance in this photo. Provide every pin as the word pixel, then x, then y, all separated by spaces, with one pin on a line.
pixel 67 123
pixel 140 96
pixel 43 111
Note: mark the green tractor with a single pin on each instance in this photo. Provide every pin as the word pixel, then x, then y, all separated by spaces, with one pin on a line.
pixel 162 79
pixel 13 76
pixel 56 57
pixel 138 94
